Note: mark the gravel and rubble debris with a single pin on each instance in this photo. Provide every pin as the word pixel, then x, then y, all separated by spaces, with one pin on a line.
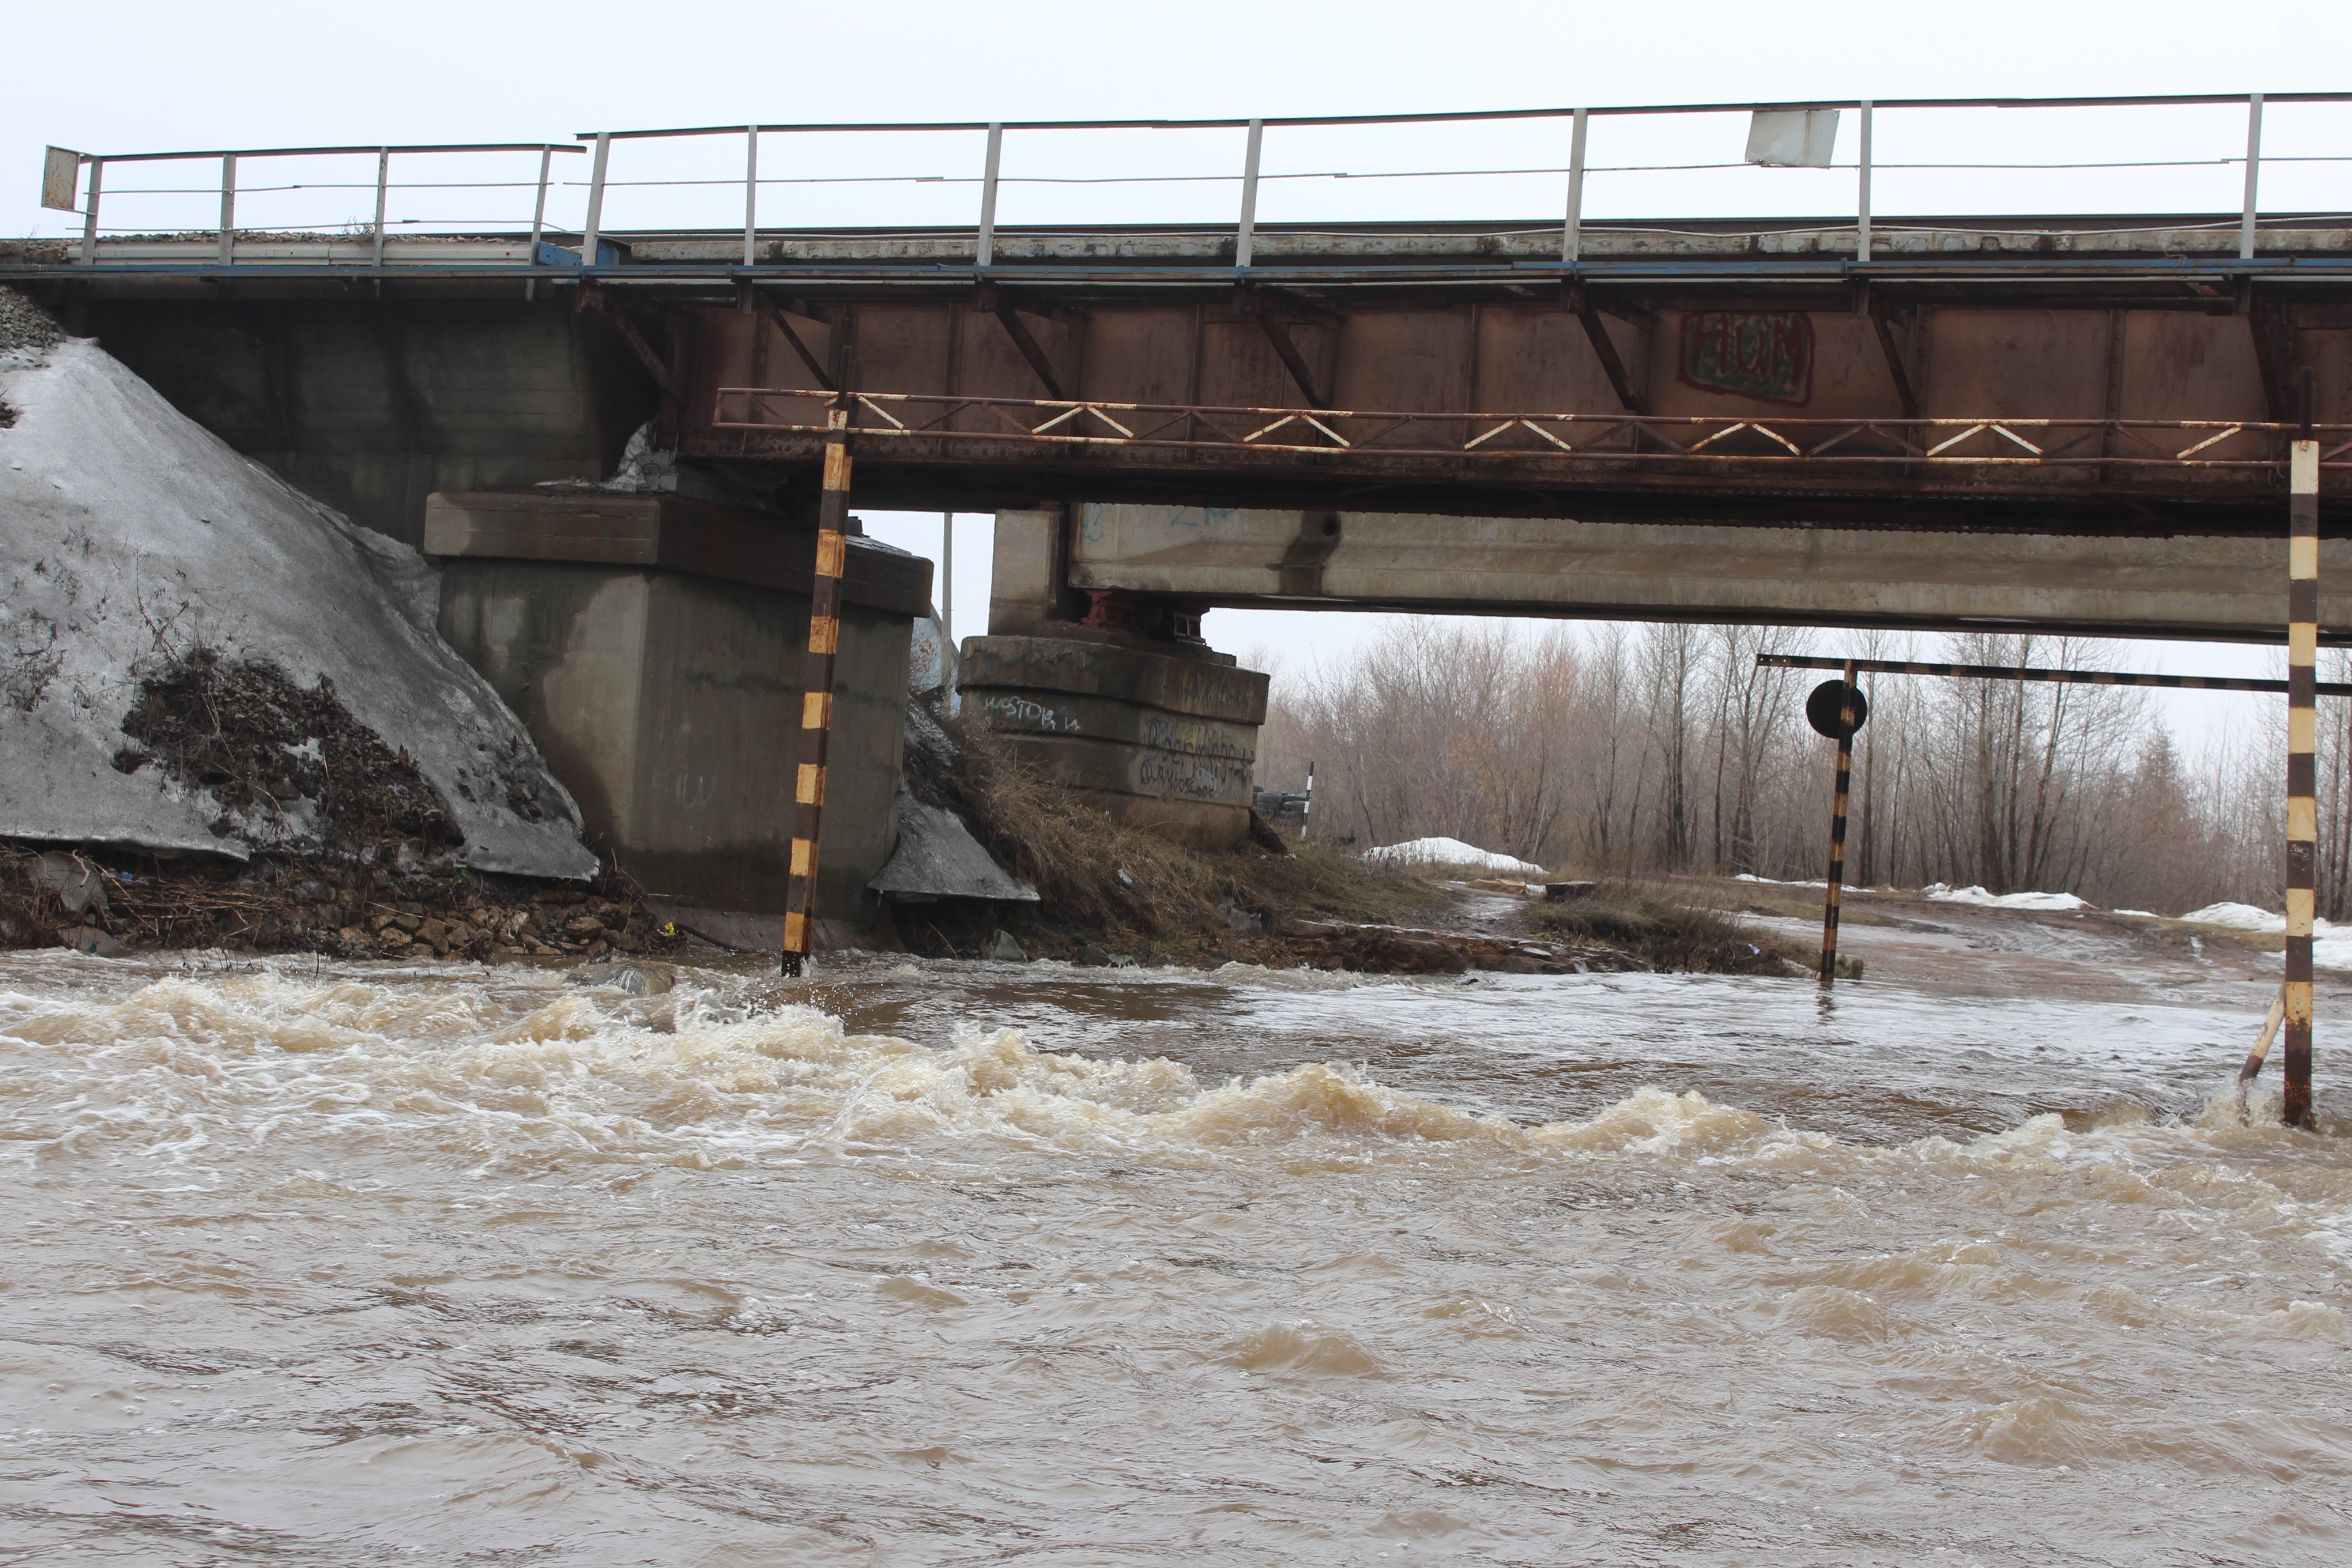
pixel 109 901
pixel 24 324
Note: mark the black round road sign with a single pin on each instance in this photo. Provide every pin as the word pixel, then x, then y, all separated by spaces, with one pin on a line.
pixel 1822 706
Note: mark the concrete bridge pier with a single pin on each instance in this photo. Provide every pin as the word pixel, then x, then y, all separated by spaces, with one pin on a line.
pixel 1113 694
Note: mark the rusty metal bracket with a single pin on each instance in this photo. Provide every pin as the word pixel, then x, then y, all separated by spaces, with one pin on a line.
pixel 783 323
pixel 630 335
pixel 1604 348
pixel 1869 302
pixel 1285 348
pixel 1264 306
pixel 2272 322
pixel 1008 314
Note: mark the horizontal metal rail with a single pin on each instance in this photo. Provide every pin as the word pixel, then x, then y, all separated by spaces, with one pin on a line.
pixel 2157 100
pixel 1611 437
pixel 2029 672
pixel 333 152
pixel 1868 228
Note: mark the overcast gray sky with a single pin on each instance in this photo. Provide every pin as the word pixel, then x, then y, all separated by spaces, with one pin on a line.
pixel 140 76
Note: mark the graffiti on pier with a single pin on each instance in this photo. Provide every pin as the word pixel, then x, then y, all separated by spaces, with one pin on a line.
pixel 1195 737
pixel 1196 778
pixel 1024 713
pixel 1766 354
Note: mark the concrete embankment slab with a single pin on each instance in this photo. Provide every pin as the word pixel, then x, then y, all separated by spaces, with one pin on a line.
pixel 133 539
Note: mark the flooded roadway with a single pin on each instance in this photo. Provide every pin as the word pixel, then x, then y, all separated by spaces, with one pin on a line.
pixel 975 1264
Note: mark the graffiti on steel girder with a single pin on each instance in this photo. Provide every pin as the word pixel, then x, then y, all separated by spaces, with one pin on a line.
pixel 1766 354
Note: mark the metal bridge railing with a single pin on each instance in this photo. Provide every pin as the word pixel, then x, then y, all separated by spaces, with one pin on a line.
pixel 1780 136
pixel 1675 439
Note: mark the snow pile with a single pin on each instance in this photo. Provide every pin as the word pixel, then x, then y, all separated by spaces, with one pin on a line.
pixel 133 544
pixel 1944 892
pixel 1773 882
pixel 2238 917
pixel 2331 944
pixel 1449 852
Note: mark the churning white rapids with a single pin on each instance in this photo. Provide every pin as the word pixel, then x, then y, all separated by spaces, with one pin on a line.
pixel 366 1265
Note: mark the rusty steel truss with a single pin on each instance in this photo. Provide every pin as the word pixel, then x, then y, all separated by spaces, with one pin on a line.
pixel 1648 439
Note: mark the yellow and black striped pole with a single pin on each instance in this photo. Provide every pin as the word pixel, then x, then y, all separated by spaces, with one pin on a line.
pixel 1837 825
pixel 816 691
pixel 2302 737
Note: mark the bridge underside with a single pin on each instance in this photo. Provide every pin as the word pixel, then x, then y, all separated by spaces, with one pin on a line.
pixel 2183 586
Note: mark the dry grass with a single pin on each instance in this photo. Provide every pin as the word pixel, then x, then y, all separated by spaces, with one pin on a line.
pixel 1100 878
pixel 1657 923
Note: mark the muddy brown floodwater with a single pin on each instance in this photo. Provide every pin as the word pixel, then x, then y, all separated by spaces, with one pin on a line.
pixel 966 1264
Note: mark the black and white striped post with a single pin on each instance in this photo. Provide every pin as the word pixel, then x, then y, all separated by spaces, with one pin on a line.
pixel 1306 806
pixel 1836 878
pixel 816 691
pixel 2302 737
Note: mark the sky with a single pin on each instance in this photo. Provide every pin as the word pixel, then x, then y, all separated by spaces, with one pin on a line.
pixel 150 77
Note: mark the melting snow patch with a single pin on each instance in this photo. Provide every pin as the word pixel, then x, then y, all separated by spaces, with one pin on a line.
pixel 2238 917
pixel 1446 852
pixel 1944 892
pixel 2331 944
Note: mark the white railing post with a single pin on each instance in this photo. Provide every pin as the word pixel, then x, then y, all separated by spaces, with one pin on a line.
pixel 1245 237
pixel 2254 175
pixel 751 190
pixel 1862 195
pixel 90 214
pixel 383 185
pixel 228 208
pixel 1571 239
pixel 538 221
pixel 596 200
pixel 984 255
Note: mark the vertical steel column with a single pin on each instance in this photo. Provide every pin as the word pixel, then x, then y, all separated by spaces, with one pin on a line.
pixel 985 256
pixel 1836 878
pixel 538 221
pixel 595 199
pixel 1571 239
pixel 2254 176
pixel 816 691
pixel 751 190
pixel 90 214
pixel 1862 192
pixel 2302 736
pixel 382 186
pixel 1245 237
pixel 947 581
pixel 228 208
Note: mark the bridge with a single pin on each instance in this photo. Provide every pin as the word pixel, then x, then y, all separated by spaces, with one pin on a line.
pixel 1924 418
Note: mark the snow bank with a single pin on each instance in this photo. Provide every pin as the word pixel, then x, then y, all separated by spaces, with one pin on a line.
pixel 2239 917
pixel 2331 944
pixel 1773 882
pixel 1944 892
pixel 1448 852
pixel 131 536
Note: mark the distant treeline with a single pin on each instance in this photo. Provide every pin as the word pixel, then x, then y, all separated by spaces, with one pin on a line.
pixel 1619 749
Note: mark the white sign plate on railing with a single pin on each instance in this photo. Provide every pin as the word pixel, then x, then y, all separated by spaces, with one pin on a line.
pixel 1793 138
pixel 60 173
